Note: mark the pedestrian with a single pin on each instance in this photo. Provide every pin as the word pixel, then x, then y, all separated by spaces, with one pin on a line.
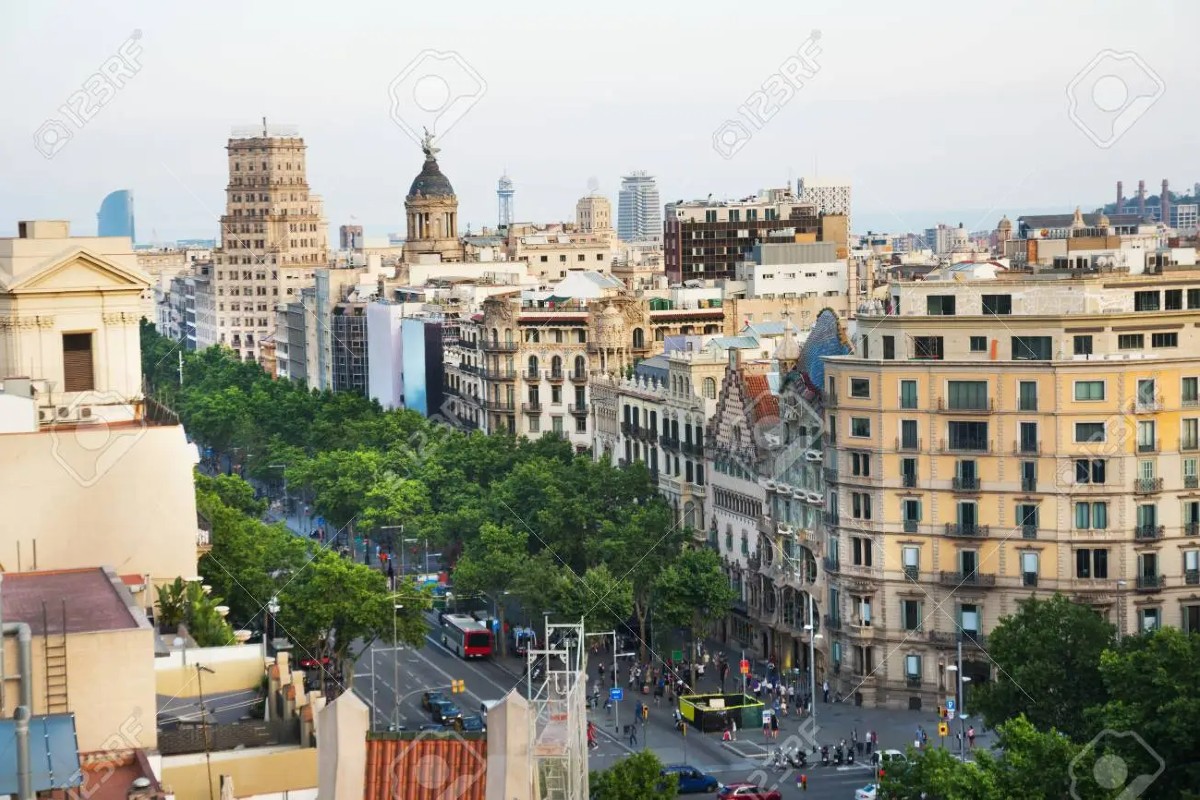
pixel 825 689
pixel 924 738
pixel 633 735
pixel 917 740
pixel 734 724
pixel 774 727
pixel 600 669
pixel 591 735
pixel 783 705
pixel 971 737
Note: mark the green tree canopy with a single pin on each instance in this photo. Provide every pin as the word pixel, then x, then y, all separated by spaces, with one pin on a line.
pixel 1047 659
pixel 491 564
pixel 692 590
pixel 638 777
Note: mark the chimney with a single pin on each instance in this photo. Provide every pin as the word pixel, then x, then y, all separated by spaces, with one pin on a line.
pixel 1120 197
pixel 1164 204
pixel 1141 200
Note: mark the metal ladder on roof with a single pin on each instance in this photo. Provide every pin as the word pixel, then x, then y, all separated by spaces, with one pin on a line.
pixel 554 782
pixel 55 651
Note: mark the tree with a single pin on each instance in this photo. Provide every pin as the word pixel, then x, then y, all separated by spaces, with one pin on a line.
pixel 393 500
pixel 233 492
pixel 1031 764
pixel 1153 687
pixel 601 599
pixel 1048 666
pixel 490 566
pixel 936 774
pixel 172 606
pixel 638 777
pixel 692 590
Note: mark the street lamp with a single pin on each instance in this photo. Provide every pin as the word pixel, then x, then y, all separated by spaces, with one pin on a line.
pixel 396 609
pixel 960 697
pixel 200 669
pixel 811 627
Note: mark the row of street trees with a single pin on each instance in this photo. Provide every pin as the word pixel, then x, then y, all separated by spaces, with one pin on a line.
pixel 532 521
pixel 1078 713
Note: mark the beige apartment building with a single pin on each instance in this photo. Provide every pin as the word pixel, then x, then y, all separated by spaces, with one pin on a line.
pixel 273 235
pixel 992 440
pixel 593 214
pixel 554 250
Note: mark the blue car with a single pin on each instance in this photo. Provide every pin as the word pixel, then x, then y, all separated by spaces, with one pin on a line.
pixel 691 780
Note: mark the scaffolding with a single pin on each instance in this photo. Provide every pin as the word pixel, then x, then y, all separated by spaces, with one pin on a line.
pixel 557 734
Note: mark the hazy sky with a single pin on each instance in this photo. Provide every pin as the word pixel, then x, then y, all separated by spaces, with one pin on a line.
pixel 935 111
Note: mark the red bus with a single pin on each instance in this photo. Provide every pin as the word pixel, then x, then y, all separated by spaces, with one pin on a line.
pixel 466 637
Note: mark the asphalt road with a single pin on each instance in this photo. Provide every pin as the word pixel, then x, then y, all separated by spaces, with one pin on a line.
pixel 432 667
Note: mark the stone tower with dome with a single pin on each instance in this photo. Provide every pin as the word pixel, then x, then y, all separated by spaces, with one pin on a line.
pixel 432 212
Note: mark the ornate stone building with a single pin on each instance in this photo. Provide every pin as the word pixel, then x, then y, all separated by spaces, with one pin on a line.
pixel 432 213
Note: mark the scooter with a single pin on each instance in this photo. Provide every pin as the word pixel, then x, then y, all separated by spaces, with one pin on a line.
pixel 798 759
pixel 838 756
pixel 850 755
pixel 824 755
pixel 779 760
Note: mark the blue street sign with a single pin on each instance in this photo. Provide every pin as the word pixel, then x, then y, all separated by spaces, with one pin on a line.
pixel 616 693
pixel 949 705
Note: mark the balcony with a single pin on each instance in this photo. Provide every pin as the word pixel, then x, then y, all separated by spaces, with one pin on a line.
pixel 554 376
pixel 833 623
pixel 1147 405
pixel 1191 577
pixel 1028 484
pixel 1148 532
pixel 578 377
pixel 831 564
pixel 1148 485
pixel 1148 447
pixel 908 480
pixel 1191 482
pixel 1027 448
pixel 831 519
pixel 531 408
pixel 498 374
pixel 1029 531
pixel 1191 529
pixel 956 579
pixel 533 375
pixel 754 561
pixel 912 681
pixel 582 411
pixel 1149 583
pixel 973 638
pixel 908 445
pixel 966 484
pixel 1029 579
pixel 669 442
pixel 470 369
pixel 971 531
pixel 499 347
pixel 829 474
pixel 694 449
pixel 499 405
pixel 912 573
pixel 985 407
pixel 203 540
pixel 965 446
pixel 911 525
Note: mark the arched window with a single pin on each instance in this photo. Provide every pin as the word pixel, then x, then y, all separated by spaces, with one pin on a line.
pixel 580 365
pixel 556 366
pixel 710 388
pixel 495 336
pixel 533 367
pixel 639 338
pixel 508 336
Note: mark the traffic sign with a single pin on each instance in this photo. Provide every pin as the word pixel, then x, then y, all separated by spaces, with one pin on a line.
pixel 943 730
pixel 616 693
pixel 949 705
pixel 677 655
pixel 950 715
pixel 745 667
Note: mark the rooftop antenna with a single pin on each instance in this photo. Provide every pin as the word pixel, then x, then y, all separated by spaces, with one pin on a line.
pixel 264 127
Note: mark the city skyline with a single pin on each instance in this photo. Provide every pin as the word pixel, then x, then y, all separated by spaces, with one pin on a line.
pixel 162 139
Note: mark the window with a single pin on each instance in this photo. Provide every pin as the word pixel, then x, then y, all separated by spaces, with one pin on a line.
pixel 1088 432
pixel 997 304
pixel 860 427
pixel 1147 441
pixel 1083 345
pixel 1174 300
pixel 860 505
pixel 1191 566
pixel 912 664
pixel 968 435
pixel 1027 515
pixel 967 395
pixel 968 514
pixel 1029 437
pixel 1091 563
pixel 1032 348
pixel 968 615
pixel 861 551
pixel 939 305
pixel 979 344
pixel 1088 391
pixel 1130 341
pixel 860 464
pixel 1146 394
pixel 1190 391
pixel 910 615
pixel 928 347
pixel 1189 434
pixel 889 347
pixel 78 372
pixel 1027 396
pixel 866 347
pixel 908 394
pixel 1164 339
pixel 860 387
pixel 911 510
pixel 1091 516
pixel 912 560
pixel 1149 619
pixel 1029 568
pixel 1146 301
pixel 908 434
pixel 908 469
pixel 1090 470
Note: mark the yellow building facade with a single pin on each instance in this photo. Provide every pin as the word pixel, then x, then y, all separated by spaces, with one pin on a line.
pixel 999 439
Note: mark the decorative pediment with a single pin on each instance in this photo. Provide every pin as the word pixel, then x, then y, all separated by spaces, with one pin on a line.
pixel 79 271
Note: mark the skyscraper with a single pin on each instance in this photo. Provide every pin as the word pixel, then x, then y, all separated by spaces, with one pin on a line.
pixel 639 212
pixel 274 235
pixel 116 215
pixel 504 191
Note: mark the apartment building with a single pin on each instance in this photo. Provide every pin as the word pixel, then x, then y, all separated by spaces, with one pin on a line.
pixel 348 342
pixel 273 231
pixel 996 439
pixel 705 240
pixel 554 250
pixel 593 214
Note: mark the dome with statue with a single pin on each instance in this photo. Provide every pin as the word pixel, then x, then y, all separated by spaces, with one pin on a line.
pixel 430 182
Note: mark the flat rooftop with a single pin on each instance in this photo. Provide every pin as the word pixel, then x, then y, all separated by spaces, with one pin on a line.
pixel 96 600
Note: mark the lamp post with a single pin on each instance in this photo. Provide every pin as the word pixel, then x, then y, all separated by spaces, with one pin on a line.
pixel 1120 608
pixel 960 697
pixel 811 627
pixel 396 609
pixel 200 669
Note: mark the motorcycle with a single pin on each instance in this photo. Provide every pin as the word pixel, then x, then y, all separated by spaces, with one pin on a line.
pixel 824 755
pixel 838 756
pixel 850 755
pixel 798 759
pixel 779 760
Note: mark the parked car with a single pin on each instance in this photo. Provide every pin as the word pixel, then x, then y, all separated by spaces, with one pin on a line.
pixel 473 724
pixel 444 711
pixel 749 791
pixel 429 698
pixel 691 780
pixel 889 756
pixel 867 792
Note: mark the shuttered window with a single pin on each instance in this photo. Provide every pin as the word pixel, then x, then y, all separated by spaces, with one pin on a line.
pixel 78 375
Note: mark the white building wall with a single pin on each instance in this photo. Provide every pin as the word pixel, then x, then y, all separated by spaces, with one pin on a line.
pixel 385 376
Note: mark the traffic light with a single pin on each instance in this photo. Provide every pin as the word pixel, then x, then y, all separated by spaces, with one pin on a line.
pixel 457 687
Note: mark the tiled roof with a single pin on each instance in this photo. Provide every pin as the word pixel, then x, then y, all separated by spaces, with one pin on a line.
pixel 761 402
pixel 94 600
pixel 426 769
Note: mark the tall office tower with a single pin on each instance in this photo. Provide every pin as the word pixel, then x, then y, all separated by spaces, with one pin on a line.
pixel 593 214
pixel 116 215
pixel 350 237
pixel 505 192
pixel 273 235
pixel 830 196
pixel 639 212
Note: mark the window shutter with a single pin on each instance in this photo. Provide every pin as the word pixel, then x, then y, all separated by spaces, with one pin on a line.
pixel 78 373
